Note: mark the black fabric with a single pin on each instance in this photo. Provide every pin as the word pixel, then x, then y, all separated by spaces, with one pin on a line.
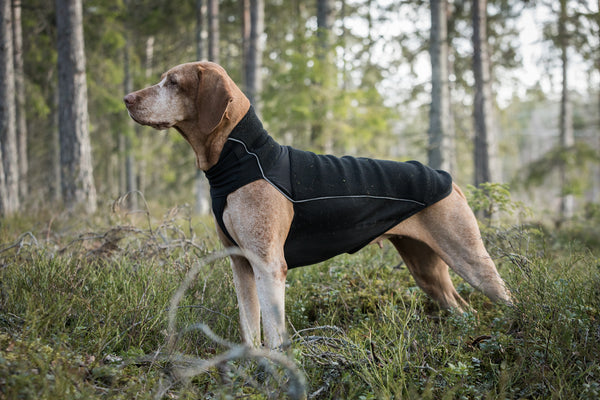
pixel 340 204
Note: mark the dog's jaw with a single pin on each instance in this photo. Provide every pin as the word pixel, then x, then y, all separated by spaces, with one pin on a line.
pixel 161 126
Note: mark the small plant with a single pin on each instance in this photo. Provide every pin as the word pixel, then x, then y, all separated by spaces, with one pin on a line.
pixel 492 199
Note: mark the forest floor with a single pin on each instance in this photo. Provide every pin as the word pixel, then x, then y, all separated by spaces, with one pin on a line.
pixel 134 306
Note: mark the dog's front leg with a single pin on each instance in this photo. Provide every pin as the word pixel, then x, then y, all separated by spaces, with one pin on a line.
pixel 259 217
pixel 270 284
pixel 248 304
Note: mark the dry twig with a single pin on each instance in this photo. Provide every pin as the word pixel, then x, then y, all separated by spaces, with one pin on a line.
pixel 186 367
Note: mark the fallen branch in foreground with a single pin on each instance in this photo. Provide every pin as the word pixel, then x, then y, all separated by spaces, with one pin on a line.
pixel 185 367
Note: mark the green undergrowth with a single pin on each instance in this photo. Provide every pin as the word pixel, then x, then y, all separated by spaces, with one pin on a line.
pixel 85 308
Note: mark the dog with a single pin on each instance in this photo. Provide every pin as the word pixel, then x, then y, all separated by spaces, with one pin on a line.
pixel 291 208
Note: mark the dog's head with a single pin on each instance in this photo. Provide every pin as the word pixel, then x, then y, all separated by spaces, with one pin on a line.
pixel 198 93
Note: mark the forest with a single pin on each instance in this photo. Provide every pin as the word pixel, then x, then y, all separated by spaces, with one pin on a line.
pixel 103 221
pixel 356 78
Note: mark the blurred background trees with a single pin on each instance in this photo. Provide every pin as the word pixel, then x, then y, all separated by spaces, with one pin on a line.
pixel 387 79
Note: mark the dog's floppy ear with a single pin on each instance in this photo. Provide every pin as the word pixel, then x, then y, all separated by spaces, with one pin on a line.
pixel 213 98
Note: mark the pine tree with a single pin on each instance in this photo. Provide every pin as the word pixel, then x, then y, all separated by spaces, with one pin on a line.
pixel 9 183
pixel 253 51
pixel 21 124
pixel 484 149
pixel 440 151
pixel 78 188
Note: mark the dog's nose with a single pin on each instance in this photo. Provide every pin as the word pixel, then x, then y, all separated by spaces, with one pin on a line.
pixel 130 99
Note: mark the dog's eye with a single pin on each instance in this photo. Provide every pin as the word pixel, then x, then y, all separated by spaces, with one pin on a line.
pixel 172 80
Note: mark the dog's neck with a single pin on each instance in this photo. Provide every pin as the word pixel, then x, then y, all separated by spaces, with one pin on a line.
pixel 208 148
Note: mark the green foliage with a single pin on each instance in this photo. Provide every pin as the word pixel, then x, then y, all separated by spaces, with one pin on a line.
pixel 494 200
pixel 555 283
pixel 324 106
pixel 580 27
pixel 83 314
pixel 84 309
pixel 583 228
pixel 576 160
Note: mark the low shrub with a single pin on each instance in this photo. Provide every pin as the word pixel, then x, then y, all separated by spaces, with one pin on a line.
pixel 86 315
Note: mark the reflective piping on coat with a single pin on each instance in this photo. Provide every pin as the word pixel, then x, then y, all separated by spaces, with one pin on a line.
pixel 262 172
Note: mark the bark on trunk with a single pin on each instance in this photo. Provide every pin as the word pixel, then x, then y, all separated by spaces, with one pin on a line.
pixel 323 112
pixel 21 124
pixel 75 149
pixel 201 187
pixel 142 175
pixel 200 11
pixel 55 185
pixel 3 198
pixel 566 119
pixel 213 30
pixel 484 149
pixel 130 176
pixel 440 142
pixel 8 135
pixel 253 55
pixel 245 36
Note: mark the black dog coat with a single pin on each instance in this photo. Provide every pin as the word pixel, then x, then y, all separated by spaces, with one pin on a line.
pixel 340 204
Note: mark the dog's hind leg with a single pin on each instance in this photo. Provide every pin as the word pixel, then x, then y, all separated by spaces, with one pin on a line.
pixel 458 241
pixel 430 272
pixel 450 229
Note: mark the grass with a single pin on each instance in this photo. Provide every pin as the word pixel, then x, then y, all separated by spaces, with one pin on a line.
pixel 85 306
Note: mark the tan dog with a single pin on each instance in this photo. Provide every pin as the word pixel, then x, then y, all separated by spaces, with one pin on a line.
pixel 202 102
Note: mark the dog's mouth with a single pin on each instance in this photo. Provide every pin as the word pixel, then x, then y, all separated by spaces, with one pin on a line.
pixel 160 125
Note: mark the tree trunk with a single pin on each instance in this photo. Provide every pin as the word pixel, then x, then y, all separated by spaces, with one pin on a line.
pixel 200 10
pixel 201 188
pixel 75 149
pixel 323 112
pixel 246 26
pixel 130 176
pixel 440 142
pixel 3 198
pixel 253 54
pixel 325 19
pixel 213 30
pixel 345 73
pixel 596 185
pixel 21 124
pixel 142 176
pixel 566 136
pixel 484 149
pixel 8 135
pixel 450 123
pixel 55 185
pixel 122 172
